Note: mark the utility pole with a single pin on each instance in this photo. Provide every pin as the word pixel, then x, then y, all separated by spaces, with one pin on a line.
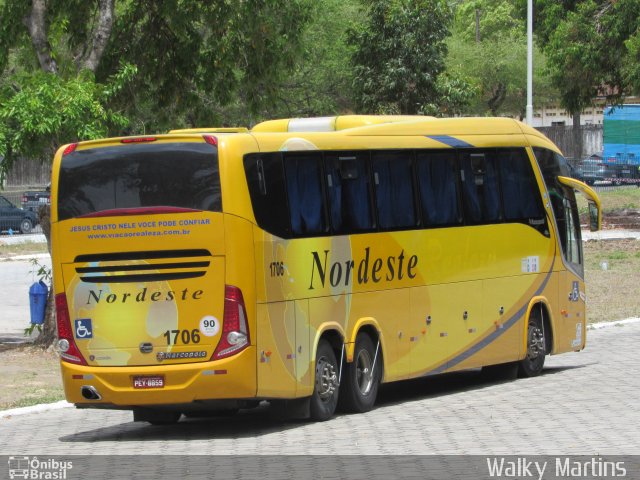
pixel 530 62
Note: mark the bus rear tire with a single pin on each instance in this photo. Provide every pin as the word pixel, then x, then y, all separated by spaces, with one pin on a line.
pixel 361 378
pixel 326 389
pixel 531 365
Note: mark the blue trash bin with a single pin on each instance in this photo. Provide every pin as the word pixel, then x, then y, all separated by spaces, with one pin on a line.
pixel 38 293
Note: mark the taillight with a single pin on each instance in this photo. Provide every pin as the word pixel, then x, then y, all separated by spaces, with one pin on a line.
pixel 211 140
pixel 70 148
pixel 138 140
pixel 235 330
pixel 66 343
pixel 24 199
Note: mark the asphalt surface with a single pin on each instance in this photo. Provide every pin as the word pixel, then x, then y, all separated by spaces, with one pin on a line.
pixel 16 276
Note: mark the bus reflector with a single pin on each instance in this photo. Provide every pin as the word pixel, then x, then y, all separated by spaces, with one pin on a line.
pixel 138 140
pixel 211 140
pixel 70 148
pixel 235 332
pixel 68 349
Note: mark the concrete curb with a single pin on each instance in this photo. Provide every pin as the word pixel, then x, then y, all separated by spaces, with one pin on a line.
pixel 619 323
pixel 18 258
pixel 43 407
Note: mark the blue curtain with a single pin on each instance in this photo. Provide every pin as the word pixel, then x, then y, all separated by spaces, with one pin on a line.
pixel 349 197
pixel 305 194
pixel 438 195
pixel 491 192
pixel 394 190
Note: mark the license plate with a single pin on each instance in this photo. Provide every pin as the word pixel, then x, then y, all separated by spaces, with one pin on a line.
pixel 148 382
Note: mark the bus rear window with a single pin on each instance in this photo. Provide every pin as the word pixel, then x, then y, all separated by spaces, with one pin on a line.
pixel 183 175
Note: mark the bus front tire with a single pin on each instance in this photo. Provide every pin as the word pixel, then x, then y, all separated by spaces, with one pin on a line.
pixel 361 378
pixel 326 389
pixel 531 365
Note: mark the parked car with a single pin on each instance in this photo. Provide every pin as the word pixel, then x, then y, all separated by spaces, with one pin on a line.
pixel 591 170
pixel 15 218
pixel 33 200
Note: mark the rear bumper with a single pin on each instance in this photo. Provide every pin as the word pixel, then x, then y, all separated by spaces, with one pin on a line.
pixel 230 378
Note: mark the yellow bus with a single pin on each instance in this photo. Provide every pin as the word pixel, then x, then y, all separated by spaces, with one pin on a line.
pixel 307 261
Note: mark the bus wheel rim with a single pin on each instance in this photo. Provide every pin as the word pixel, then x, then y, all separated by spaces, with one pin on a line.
pixel 536 343
pixel 326 379
pixel 364 372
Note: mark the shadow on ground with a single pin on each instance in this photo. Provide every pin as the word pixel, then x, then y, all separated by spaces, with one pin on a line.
pixel 259 421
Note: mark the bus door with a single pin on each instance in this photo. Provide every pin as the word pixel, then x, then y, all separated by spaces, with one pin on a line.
pixel 571 285
pixel 571 294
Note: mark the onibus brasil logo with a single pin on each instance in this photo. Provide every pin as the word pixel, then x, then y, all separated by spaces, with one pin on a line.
pixel 33 468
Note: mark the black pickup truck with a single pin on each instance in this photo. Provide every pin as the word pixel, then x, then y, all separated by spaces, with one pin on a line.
pixel 33 200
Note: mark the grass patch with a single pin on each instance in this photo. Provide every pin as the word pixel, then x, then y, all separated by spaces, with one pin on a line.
pixel 612 294
pixel 614 199
pixel 35 396
pixel 27 248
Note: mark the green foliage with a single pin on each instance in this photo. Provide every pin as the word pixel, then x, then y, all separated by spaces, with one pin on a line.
pixel 320 82
pixel 43 272
pixel 591 45
pixel 454 94
pixel 498 20
pixel 399 52
pixel 42 111
pixel 497 68
pixel 199 61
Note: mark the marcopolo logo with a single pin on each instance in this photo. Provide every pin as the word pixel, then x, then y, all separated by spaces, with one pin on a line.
pixel 34 468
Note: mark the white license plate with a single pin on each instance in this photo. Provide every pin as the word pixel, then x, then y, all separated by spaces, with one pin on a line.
pixel 148 382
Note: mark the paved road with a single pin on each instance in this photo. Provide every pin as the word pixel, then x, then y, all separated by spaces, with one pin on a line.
pixel 16 276
pixel 584 403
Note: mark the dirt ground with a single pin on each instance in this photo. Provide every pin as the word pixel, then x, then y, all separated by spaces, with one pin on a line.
pixel 612 276
pixel 29 376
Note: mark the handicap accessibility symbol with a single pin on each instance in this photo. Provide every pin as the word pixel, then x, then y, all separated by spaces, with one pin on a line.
pixel 83 328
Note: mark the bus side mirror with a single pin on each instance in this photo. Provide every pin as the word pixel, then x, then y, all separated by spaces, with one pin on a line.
pixel 594 217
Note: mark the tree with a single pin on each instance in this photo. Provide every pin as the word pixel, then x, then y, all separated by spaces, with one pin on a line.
pixel 399 53
pixel 197 59
pixel 83 69
pixel 589 46
pixel 320 83
pixel 498 70
pixel 489 48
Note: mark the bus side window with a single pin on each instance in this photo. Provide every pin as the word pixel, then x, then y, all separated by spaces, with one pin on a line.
pixel 306 199
pixel 480 194
pixel 393 186
pixel 348 191
pixel 520 190
pixel 438 187
pixel 265 178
